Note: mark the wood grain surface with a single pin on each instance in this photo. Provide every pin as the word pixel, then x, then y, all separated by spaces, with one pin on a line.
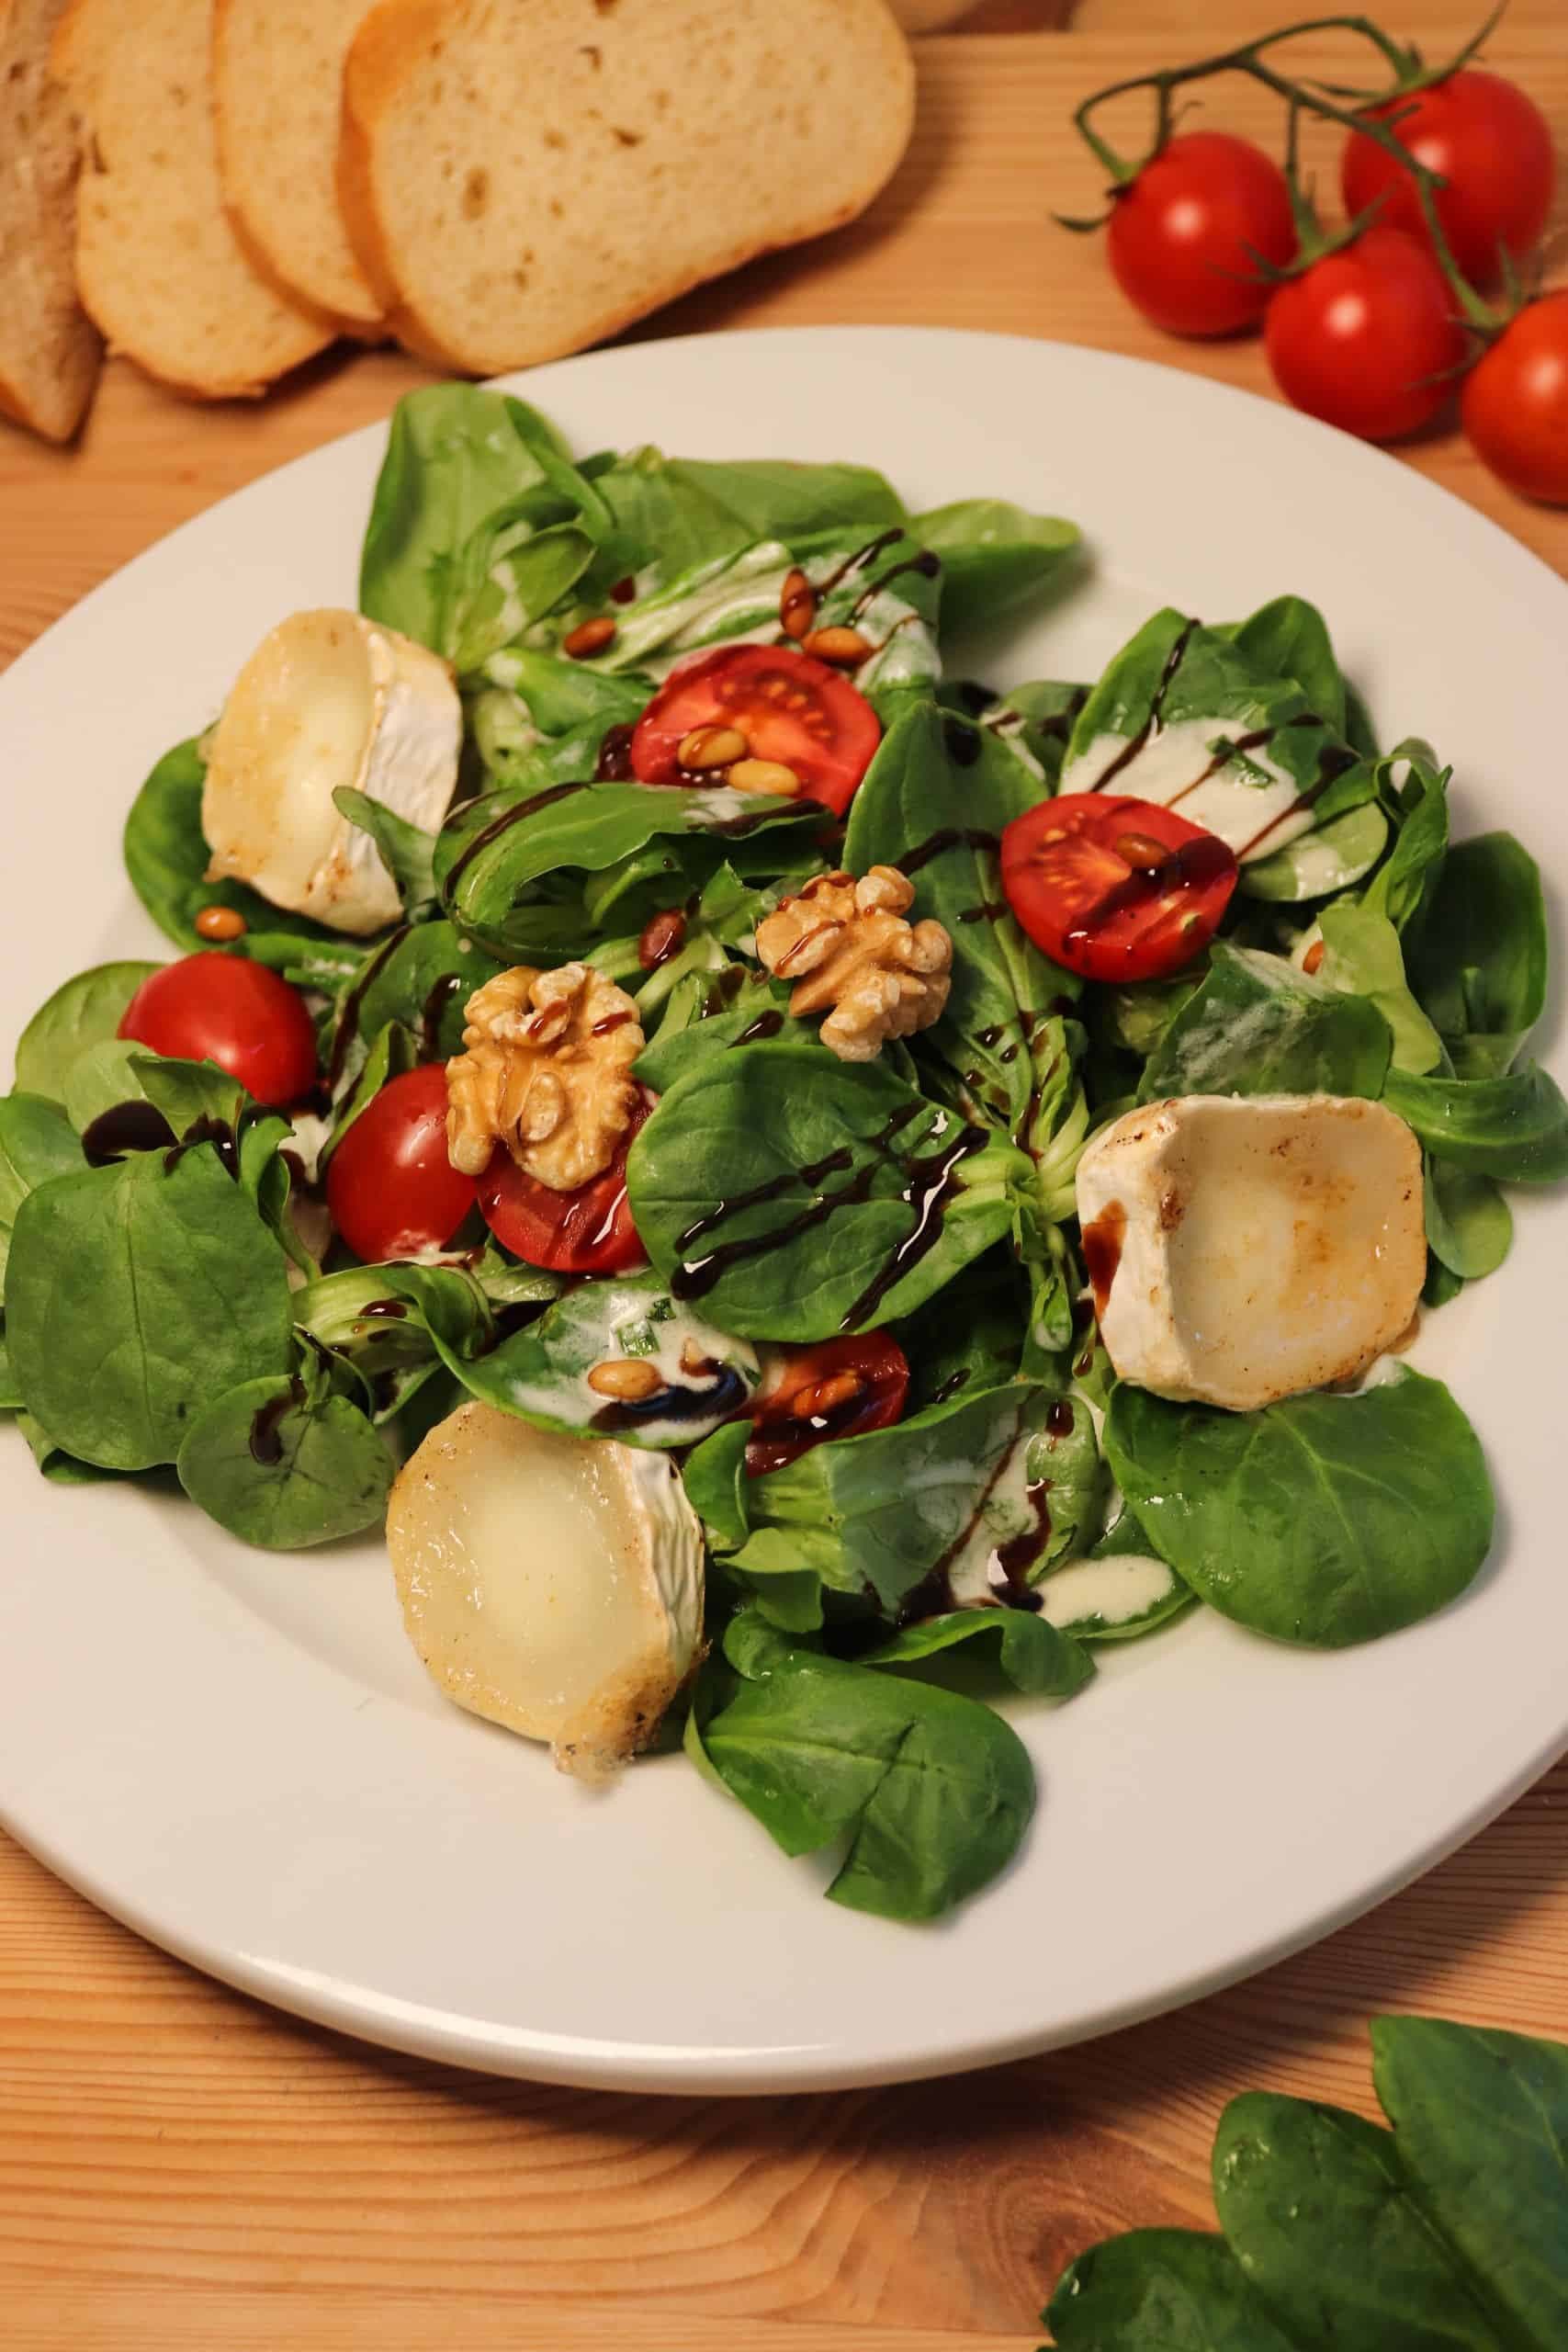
pixel 181 2169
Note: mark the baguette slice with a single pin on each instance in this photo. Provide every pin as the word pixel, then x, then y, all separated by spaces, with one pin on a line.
pixel 50 350
pixel 158 263
pixel 521 177
pixel 277 99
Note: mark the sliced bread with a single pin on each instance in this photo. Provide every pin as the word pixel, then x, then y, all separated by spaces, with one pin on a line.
pixel 521 177
pixel 277 99
pixel 158 263
pixel 50 350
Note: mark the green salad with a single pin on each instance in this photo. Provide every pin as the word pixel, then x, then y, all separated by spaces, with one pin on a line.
pixel 805 1189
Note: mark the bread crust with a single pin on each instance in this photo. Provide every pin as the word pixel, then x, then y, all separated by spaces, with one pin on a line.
pixel 50 350
pixel 394 46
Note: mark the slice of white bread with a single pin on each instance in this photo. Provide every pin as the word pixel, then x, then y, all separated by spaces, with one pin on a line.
pixel 158 263
pixel 277 100
pixel 50 350
pixel 522 177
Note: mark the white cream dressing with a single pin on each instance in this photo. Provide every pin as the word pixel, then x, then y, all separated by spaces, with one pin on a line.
pixel 1232 803
pixel 1106 1593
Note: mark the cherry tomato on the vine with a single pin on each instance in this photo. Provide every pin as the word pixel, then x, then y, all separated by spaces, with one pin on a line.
pixel 1514 402
pixel 839 1388
pixel 589 1231
pixel 1115 888
pixel 212 1008
pixel 1368 338
pixel 790 708
pixel 1185 237
pixel 391 1187
pixel 1489 142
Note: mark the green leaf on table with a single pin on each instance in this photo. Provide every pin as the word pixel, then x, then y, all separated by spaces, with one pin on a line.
pixel 1160 2290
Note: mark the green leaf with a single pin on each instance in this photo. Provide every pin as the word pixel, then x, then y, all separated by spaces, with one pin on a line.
pixel 782 499
pixel 1400 884
pixel 404 849
pixel 1160 2290
pixel 934 1790
pixel 166 857
pixel 37 1141
pixel 1478 957
pixel 280 1468
pixel 134 1296
pixel 1469 1229
pixel 1289 639
pixel 103 1076
pixel 1322 1520
pixel 1330 857
pixel 1033 1656
pixel 994 554
pixel 714 1476
pixel 792 1197
pixel 1258 1027
pixel 423 985
pixel 1481 2122
pixel 83 1012
pixel 1515 1128
pixel 1362 957
pixel 1118 1591
pixel 1297 2186
pixel 779 1570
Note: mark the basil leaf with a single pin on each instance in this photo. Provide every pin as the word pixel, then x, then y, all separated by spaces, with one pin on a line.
pixel 1515 1128
pixel 83 1012
pixel 1160 2290
pixel 282 1467
pixel 1322 1520
pixel 1258 1027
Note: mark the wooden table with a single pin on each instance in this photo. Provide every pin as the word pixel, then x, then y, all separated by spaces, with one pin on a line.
pixel 182 2170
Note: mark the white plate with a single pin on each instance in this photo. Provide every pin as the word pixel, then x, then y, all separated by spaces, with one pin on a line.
pixel 239 1754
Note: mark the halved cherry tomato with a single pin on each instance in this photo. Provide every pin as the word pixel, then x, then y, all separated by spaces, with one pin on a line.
pixel 840 1388
pixel 222 1009
pixel 589 1231
pixel 790 708
pixel 1115 888
pixel 391 1187
pixel 1492 146
pixel 1186 237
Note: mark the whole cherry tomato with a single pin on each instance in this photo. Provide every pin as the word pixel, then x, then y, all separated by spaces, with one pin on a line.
pixel 1491 144
pixel 221 1009
pixel 1186 236
pixel 1514 402
pixel 1115 888
pixel 1367 338
pixel 790 708
pixel 589 1231
pixel 839 1388
pixel 391 1187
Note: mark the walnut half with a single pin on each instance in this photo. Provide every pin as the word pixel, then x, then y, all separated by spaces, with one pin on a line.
pixel 547 1072
pixel 846 946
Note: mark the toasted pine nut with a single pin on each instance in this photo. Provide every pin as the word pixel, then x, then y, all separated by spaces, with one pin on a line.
pixel 826 1396
pixel 220 922
pixel 631 1380
pixel 589 638
pixel 846 648
pixel 711 747
pixel 1313 957
pixel 764 775
pixel 1141 850
pixel 662 936
pixel 797 605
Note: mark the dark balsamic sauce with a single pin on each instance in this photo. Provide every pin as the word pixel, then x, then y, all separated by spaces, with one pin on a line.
pixel 950 837
pixel 1103 1240
pixel 129 1126
pixel 963 742
pixel 926 563
pixel 435 1012
pixel 347 1028
pixel 516 815
pixel 950 1387
pixel 615 763
pixel 1134 744
pixel 216 1132
pixel 766 1024
pixel 383 1310
pixel 266 1439
pixel 858 561
pixel 1007 1571
pixel 1196 866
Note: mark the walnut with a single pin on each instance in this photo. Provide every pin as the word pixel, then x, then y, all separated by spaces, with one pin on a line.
pixel 548 1073
pixel 845 944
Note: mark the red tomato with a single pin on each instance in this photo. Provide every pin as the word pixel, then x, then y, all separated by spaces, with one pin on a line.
pixel 589 1231
pixel 391 1187
pixel 1185 236
pixel 1491 144
pixel 789 707
pixel 1514 402
pixel 221 1009
pixel 840 1388
pixel 1115 888
pixel 1368 338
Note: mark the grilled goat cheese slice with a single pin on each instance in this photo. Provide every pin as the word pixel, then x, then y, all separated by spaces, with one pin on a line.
pixel 1245 1248
pixel 553 1583
pixel 327 699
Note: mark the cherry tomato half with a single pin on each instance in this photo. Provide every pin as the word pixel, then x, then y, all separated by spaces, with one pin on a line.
pixel 1115 888
pixel 221 1009
pixel 840 1388
pixel 1514 402
pixel 1185 237
pixel 1493 146
pixel 1367 338
pixel 391 1187
pixel 589 1231
pixel 789 707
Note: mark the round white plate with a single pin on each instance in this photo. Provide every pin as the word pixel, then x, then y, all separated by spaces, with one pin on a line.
pixel 238 1753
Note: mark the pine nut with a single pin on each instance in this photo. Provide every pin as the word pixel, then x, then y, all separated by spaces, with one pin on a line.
pixel 764 776
pixel 711 747
pixel 826 1395
pixel 628 1379
pixel 589 638
pixel 1313 957
pixel 846 648
pixel 220 922
pixel 1142 851
pixel 797 605
pixel 662 936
